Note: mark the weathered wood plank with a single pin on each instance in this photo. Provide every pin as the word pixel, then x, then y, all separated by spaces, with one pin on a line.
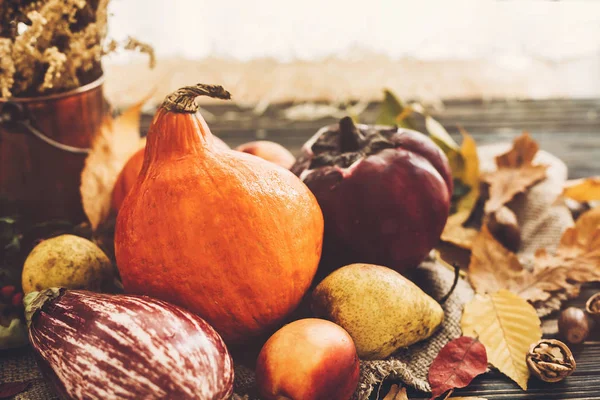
pixel 569 129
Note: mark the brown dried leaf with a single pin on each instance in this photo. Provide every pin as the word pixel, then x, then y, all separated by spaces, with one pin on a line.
pixel 522 153
pixel 515 173
pixel 506 325
pixel 117 140
pixel 493 267
pixel 576 261
pixel 455 232
pixel 583 190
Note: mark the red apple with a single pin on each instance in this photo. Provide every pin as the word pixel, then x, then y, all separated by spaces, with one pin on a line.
pixel 308 359
pixel 270 151
pixel 384 192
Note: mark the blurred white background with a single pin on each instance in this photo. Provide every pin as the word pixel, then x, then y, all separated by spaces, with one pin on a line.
pixel 494 48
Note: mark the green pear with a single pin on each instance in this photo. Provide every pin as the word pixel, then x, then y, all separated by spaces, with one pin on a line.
pixel 381 310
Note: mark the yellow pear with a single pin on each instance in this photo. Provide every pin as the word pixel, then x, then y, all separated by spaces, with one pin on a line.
pixel 381 310
pixel 67 261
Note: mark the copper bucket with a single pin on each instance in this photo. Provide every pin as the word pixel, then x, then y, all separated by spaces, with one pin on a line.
pixel 43 145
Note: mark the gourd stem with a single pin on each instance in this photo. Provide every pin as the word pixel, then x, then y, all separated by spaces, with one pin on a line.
pixel 184 100
pixel 350 137
pixel 34 301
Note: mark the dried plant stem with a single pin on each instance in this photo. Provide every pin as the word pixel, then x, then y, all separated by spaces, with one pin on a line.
pixel 60 48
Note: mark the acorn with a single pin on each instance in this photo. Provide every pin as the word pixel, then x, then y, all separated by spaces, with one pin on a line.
pixel 574 325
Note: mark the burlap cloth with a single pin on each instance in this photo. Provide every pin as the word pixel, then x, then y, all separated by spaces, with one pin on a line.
pixel 542 223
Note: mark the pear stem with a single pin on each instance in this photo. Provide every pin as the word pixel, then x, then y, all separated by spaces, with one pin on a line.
pixel 456 276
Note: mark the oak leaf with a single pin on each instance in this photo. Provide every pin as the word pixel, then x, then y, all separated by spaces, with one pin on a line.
pixel 575 261
pixel 455 366
pixel 454 231
pixel 515 173
pixel 493 267
pixel 583 190
pixel 507 325
pixel 117 140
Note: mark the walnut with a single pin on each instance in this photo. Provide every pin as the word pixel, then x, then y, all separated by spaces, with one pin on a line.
pixel 592 306
pixel 550 360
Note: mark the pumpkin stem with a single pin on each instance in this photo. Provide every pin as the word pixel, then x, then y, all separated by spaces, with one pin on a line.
pixel 184 100
pixel 350 137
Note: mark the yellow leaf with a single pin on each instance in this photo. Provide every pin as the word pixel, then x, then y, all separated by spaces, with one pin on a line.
pixel 515 173
pixel 117 140
pixel 583 190
pixel 506 325
pixel 454 231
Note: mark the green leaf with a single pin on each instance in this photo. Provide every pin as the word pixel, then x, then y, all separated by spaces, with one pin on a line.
pixel 391 109
pixel 442 138
pixel 439 134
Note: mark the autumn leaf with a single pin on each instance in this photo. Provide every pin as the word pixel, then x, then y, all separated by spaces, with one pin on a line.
pixel 442 138
pixel 117 140
pixel 515 173
pixel 454 231
pixel 392 112
pixel 10 389
pixel 396 393
pixel 575 261
pixel 506 325
pixel 455 366
pixel 493 267
pixel 583 190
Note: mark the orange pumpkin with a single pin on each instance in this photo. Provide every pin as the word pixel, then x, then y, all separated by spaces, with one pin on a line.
pixel 129 174
pixel 225 234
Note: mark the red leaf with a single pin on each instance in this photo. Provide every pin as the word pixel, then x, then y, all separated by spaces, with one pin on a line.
pixel 456 365
pixel 10 389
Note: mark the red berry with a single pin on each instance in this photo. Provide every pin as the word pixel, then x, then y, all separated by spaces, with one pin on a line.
pixel 17 299
pixel 7 291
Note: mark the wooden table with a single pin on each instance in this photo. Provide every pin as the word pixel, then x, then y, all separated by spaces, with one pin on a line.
pixel 569 129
